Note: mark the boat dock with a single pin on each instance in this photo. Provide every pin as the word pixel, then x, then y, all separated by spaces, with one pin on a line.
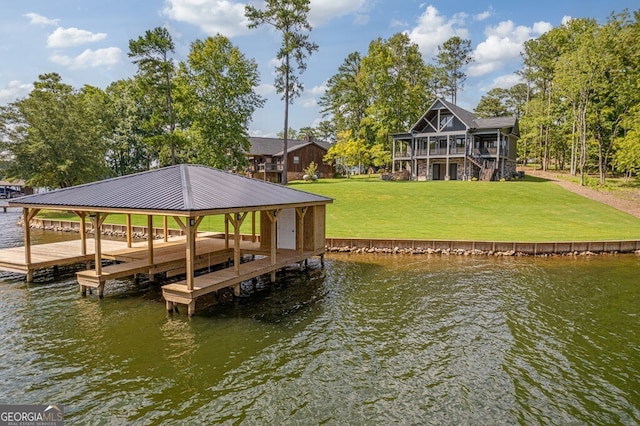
pixel 287 226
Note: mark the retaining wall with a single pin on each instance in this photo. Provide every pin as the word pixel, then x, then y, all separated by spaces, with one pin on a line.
pixel 371 244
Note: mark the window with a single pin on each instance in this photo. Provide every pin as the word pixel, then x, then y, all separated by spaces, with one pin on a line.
pixel 446 121
pixel 296 159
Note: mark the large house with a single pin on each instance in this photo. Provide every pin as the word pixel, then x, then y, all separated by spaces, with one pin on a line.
pixel 266 158
pixel 450 143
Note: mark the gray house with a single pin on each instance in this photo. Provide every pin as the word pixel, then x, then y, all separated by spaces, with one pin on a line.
pixel 451 143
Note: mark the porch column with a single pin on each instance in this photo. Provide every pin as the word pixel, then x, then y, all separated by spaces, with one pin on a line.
pixel 498 143
pixel 393 156
pixel 446 173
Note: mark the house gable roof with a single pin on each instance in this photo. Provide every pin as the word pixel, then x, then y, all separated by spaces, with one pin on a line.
pixel 273 146
pixel 466 117
pixel 184 190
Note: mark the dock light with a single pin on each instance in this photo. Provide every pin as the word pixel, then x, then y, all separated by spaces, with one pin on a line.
pixel 192 222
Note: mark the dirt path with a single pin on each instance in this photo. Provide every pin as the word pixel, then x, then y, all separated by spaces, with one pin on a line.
pixel 628 202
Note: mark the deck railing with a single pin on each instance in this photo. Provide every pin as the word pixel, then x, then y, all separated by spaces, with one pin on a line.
pixel 269 167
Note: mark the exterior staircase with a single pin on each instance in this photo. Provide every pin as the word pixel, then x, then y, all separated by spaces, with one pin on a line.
pixel 487 168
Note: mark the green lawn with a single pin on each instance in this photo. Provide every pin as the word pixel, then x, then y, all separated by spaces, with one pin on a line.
pixel 527 210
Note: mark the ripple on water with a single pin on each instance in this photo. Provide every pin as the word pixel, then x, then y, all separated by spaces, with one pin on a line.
pixel 367 339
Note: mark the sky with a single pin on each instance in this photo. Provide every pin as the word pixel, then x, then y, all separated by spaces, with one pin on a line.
pixel 87 41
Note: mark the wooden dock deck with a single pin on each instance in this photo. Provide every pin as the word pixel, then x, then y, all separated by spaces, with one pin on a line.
pixel 168 258
pixel 61 253
pixel 178 293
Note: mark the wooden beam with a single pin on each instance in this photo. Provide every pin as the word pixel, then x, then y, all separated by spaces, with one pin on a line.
pixel 300 212
pixel 26 218
pixel 273 217
pixel 97 220
pixel 192 229
pixel 129 231
pixel 165 228
pixel 180 223
pixel 253 226
pixel 83 231
pixel 226 232
pixel 236 220
pixel 150 240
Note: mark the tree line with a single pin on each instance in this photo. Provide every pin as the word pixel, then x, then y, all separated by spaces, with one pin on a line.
pixel 197 110
pixel 193 111
pixel 577 102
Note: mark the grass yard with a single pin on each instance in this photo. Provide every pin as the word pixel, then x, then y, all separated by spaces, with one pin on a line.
pixel 527 210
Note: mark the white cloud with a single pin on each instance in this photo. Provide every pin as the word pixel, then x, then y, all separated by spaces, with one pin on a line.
pixel 318 90
pixel 482 16
pixel 433 29
pixel 266 89
pixel 36 19
pixel 310 95
pixel 502 46
pixel 14 90
pixel 321 11
pixel 65 37
pixel 541 27
pixel 506 81
pixel 395 23
pixel 260 134
pixel 361 19
pixel 309 103
pixel 211 16
pixel 89 58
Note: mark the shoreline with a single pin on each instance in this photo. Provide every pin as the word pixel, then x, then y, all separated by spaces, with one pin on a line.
pixel 402 246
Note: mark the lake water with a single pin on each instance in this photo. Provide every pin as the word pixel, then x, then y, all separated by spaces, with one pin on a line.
pixel 365 340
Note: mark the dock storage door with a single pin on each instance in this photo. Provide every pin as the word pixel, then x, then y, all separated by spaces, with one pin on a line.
pixel 287 229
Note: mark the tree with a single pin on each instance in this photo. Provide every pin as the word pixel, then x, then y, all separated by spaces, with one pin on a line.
pixel 499 102
pixel 345 99
pixel 626 158
pixel 156 71
pixel 453 55
pixel 493 104
pixel 127 152
pixel 219 85
pixel 289 17
pixel 56 135
pixel 399 86
pixel 347 153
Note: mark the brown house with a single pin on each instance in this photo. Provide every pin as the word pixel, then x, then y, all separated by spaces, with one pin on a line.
pixel 266 158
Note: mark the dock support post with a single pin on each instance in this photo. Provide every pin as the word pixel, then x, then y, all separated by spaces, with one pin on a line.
pixel 83 290
pixel 30 276
pixel 191 308
pixel 101 290
pixel 169 306
pixel 236 290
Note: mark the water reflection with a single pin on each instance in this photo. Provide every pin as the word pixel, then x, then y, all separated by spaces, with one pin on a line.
pixel 367 340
